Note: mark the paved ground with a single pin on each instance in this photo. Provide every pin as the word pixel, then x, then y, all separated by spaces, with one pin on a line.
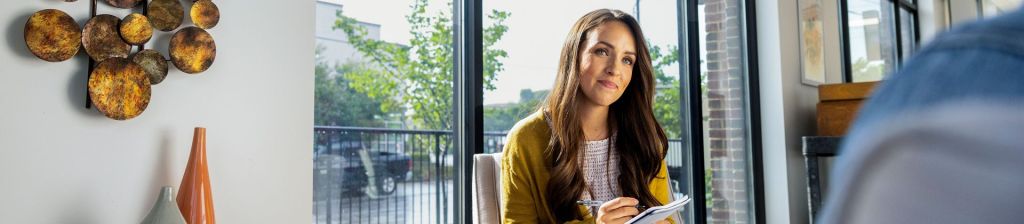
pixel 415 202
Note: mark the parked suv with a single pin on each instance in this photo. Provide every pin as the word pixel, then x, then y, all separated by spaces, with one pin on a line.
pixel 346 163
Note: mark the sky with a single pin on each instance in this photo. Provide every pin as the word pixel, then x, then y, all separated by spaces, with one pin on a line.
pixel 536 32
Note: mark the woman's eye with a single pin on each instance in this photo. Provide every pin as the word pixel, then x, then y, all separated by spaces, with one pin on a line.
pixel 602 52
pixel 627 61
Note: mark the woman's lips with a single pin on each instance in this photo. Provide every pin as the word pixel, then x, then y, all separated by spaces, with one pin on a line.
pixel 608 84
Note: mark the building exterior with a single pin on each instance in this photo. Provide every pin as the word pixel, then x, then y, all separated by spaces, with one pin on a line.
pixel 335 49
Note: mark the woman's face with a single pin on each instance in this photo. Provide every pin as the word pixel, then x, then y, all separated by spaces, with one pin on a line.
pixel 606 63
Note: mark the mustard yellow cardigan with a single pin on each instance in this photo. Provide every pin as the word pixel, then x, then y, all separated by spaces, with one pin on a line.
pixel 524 176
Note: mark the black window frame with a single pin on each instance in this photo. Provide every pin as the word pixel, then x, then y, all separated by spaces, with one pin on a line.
pixel 468 104
pixel 692 108
pixel 896 5
pixel 467 107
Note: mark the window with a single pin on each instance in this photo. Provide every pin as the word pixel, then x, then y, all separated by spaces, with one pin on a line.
pixel 992 8
pixel 522 66
pixel 526 71
pixel 879 35
pixel 383 141
pixel 728 100
pixel 908 33
pixel 385 149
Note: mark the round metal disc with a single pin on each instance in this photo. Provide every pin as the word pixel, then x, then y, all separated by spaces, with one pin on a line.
pixel 102 40
pixel 124 4
pixel 192 50
pixel 205 14
pixel 136 29
pixel 119 88
pixel 52 35
pixel 166 15
pixel 153 63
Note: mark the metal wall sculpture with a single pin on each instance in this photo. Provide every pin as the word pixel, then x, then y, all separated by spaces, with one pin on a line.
pixel 119 82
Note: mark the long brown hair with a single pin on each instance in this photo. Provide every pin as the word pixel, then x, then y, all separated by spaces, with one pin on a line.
pixel 641 148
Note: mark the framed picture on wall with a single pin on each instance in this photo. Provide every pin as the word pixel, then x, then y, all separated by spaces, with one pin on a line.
pixel 812 49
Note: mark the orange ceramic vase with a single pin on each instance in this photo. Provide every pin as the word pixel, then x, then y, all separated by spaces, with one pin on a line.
pixel 194 196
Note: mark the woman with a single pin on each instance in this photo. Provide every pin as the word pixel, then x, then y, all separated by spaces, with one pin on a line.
pixel 595 138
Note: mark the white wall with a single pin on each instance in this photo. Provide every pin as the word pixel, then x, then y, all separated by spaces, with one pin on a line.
pixel 787 111
pixel 962 11
pixel 62 163
pixel 833 42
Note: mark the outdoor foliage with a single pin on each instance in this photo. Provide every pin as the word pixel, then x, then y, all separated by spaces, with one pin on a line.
pixel 338 105
pixel 418 78
pixel 502 117
pixel 666 107
pixel 666 101
pixel 864 70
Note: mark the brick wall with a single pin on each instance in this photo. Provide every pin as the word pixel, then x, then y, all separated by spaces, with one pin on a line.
pixel 726 123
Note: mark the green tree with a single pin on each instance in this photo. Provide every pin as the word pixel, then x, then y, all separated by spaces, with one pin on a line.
pixel 419 76
pixel 503 117
pixel 863 70
pixel 666 101
pixel 666 106
pixel 337 104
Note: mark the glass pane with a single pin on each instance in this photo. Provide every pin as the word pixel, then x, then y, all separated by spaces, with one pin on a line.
pixel 515 84
pixel 872 41
pixel 382 144
pixel 727 151
pixel 993 8
pixel 907 33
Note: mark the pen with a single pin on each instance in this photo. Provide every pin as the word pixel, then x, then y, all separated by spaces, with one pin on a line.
pixel 593 203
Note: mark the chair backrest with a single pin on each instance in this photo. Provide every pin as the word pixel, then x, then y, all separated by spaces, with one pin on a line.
pixel 487 199
pixel 487 188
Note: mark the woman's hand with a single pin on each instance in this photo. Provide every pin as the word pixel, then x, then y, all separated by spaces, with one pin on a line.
pixel 618 210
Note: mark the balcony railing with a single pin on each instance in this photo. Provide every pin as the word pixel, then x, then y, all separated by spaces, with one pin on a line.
pixel 377 175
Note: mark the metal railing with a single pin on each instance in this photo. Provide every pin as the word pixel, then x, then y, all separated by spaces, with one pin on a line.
pixel 377 175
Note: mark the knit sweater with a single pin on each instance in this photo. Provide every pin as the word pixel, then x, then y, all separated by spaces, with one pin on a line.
pixel 524 175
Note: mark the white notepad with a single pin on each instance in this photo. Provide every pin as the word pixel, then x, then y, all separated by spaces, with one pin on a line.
pixel 658 213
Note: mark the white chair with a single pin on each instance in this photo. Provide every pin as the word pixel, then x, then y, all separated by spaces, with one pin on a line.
pixel 487 188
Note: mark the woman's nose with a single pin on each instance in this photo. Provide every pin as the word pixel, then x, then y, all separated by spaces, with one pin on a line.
pixel 612 68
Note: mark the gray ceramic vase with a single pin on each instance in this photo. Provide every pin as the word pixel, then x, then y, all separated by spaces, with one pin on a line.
pixel 165 210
